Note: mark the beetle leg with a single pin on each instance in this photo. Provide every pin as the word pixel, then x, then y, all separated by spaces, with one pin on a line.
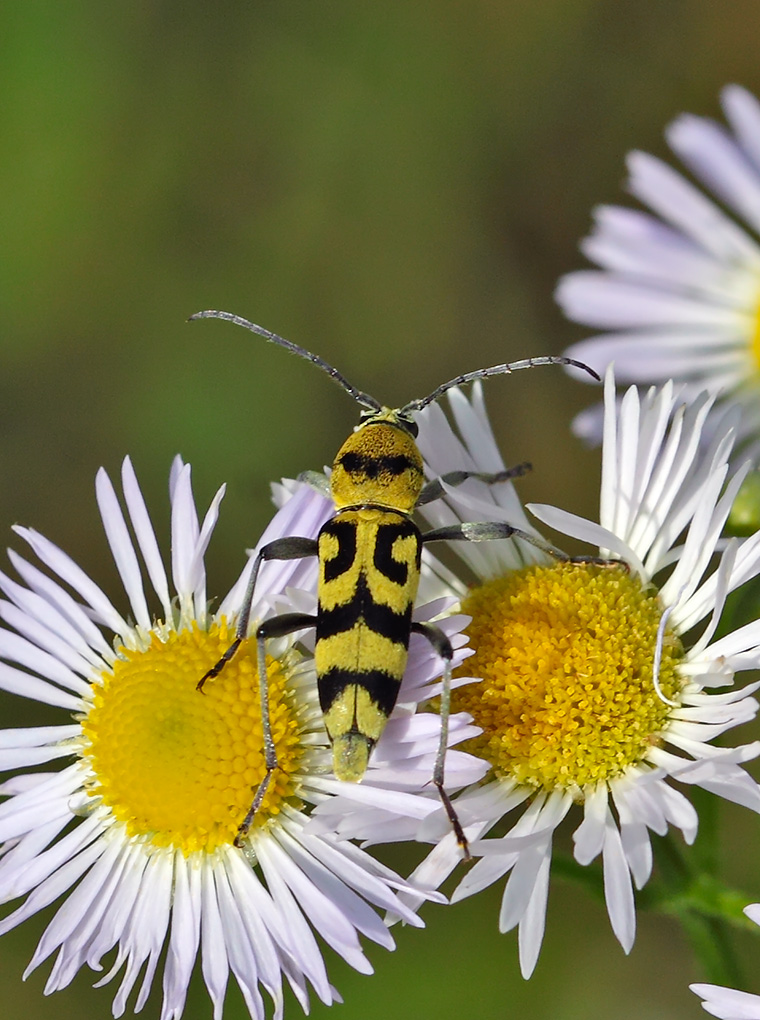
pixel 277 626
pixel 289 548
pixel 435 488
pixel 443 647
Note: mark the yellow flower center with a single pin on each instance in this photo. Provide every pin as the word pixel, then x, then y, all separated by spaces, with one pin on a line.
pixel 756 339
pixel 566 654
pixel 180 767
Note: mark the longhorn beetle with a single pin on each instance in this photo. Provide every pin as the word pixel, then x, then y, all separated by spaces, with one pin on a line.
pixel 369 568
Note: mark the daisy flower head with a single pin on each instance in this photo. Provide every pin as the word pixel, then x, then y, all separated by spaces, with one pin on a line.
pixel 135 830
pixel 678 288
pixel 595 694
pixel 728 1003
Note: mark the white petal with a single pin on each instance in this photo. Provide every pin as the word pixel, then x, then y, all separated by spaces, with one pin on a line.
pixel 114 920
pixel 436 868
pixel 22 875
pixel 185 934
pixel 743 112
pixel 711 153
pixel 29 846
pixel 678 810
pixel 146 536
pixel 24 757
pixel 357 875
pixel 618 891
pixel 54 885
pixel 145 933
pixel 18 650
pixel 586 531
pixel 198 570
pixel 655 355
pixel 37 736
pixel 17 682
pixel 352 907
pixel 215 961
pixel 266 929
pixel 20 815
pixel 602 300
pixel 531 933
pixel 637 848
pixel 728 1003
pixel 69 572
pixel 48 642
pixel 185 530
pixel 77 918
pixel 299 936
pixel 303 514
pixel 121 547
pixel 64 603
pixel 239 947
pixel 50 616
pixel 530 865
pixel 590 835
pixel 753 912
pixel 680 203
pixel 323 914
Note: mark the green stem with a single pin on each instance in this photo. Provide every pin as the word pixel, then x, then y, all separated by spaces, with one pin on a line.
pixel 708 938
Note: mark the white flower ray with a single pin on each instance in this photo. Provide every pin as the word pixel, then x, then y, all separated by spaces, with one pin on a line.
pixel 121 547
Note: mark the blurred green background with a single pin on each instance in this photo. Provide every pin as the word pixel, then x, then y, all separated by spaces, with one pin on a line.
pixel 395 186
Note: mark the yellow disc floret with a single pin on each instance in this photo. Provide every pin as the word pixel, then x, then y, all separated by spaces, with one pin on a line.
pixel 566 655
pixel 755 347
pixel 180 767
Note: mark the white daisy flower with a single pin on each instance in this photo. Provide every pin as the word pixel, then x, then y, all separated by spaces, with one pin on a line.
pixel 136 830
pixel 727 1002
pixel 594 692
pixel 679 288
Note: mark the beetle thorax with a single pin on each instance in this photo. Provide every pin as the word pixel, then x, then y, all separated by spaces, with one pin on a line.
pixel 379 464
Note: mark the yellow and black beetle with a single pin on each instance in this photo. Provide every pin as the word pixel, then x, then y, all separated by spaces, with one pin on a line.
pixel 369 566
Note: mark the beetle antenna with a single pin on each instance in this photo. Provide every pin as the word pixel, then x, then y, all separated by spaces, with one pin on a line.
pixel 483 373
pixel 359 396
